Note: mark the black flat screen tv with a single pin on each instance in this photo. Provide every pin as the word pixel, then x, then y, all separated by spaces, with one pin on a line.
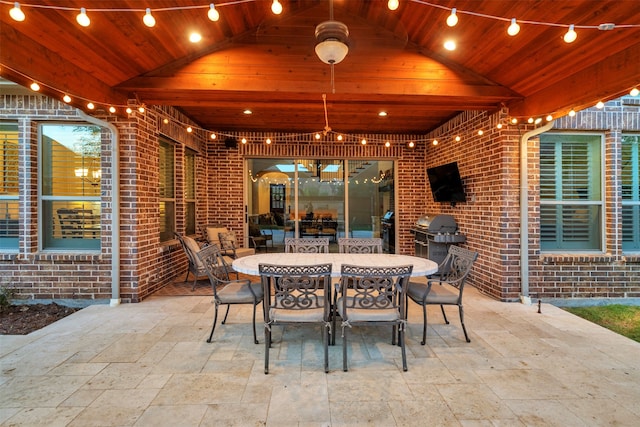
pixel 445 182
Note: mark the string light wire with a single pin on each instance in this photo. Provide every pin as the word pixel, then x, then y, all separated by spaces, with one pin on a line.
pixel 327 130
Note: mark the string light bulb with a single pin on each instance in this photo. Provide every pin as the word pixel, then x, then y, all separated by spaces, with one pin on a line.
pixel 387 144
pixel 458 138
pixel 538 120
pixel 91 106
pixel 35 86
pixel 634 92
pixel 435 142
pixel 16 13
pixel 514 28
pixel 600 105
pixel 189 129
pixel 82 18
pixel 276 7
pixel 148 19
pixel 393 4
pixel 572 113
pixel 66 98
pixel 244 140
pixel 213 14
pixel 214 136
pixel 452 19
pixel 571 35
pixel 112 109
pixel 411 144
pixel 141 109
pixel 549 117
pixel 450 45
pixel 268 141
pixel 363 142
pixel 129 110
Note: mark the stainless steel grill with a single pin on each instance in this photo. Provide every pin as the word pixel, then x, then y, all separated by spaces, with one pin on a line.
pixel 434 234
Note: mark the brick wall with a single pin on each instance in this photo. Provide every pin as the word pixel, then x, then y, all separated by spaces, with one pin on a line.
pixel 489 167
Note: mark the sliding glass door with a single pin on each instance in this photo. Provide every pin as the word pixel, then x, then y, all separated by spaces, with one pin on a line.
pixel 318 198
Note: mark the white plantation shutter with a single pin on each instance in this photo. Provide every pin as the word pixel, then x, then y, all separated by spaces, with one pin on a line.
pixel 570 192
pixel 630 178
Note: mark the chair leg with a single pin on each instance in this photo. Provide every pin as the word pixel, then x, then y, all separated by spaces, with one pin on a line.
pixel 444 314
pixel 215 320
pixel 255 336
pixel 195 281
pixel 344 349
pixel 325 342
pixel 226 314
pixel 424 324
pixel 267 345
pixel 462 323
pixel 404 350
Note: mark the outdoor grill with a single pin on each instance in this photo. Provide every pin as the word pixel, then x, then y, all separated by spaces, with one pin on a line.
pixel 434 234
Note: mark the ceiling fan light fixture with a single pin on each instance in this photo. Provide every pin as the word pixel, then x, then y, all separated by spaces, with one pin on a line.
pixel 332 39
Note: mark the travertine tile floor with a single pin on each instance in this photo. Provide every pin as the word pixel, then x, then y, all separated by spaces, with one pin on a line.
pixel 148 364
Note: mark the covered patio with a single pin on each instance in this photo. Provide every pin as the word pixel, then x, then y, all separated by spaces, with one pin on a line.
pixel 148 365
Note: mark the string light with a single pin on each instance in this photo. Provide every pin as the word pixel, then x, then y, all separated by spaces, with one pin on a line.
pixel 571 35
pixel 452 19
pixel 66 98
pixel 600 105
pixel 82 18
pixel 213 136
pixel 91 106
pixel 634 92
pixel 35 87
pixel 148 19
pixel 572 113
pixel 213 14
pixel 514 28
pixel 276 7
pixel 112 109
pixel 16 13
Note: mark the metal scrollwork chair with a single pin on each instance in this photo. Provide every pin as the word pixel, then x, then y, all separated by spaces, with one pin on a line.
pixel 191 249
pixel 446 287
pixel 296 295
pixel 360 245
pixel 373 295
pixel 225 291
pixel 306 245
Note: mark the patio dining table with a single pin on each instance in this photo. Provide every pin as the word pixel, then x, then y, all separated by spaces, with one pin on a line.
pixel 250 264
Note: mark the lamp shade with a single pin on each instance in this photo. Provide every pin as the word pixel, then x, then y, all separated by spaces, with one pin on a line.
pixel 332 45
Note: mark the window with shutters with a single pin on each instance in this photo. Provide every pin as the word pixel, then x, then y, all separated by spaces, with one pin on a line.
pixel 167 191
pixel 9 212
pixel 190 192
pixel 571 195
pixel 70 178
pixel 630 179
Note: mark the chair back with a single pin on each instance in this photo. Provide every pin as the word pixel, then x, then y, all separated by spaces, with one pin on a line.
pixel 296 287
pixel 306 245
pixel 214 266
pixel 191 248
pixel 456 266
pixel 373 288
pixel 360 245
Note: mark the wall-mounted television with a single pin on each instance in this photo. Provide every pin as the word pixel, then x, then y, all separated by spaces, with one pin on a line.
pixel 445 182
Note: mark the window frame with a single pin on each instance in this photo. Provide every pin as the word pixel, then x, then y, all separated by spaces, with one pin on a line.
pixel 601 203
pixel 635 176
pixel 10 242
pixel 170 220
pixel 190 199
pixel 47 242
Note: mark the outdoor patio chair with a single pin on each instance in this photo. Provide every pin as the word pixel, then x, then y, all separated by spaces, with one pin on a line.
pixel 296 295
pixel 360 245
pixel 444 288
pixel 216 234
pixel 372 295
pixel 191 249
pixel 225 291
pixel 306 245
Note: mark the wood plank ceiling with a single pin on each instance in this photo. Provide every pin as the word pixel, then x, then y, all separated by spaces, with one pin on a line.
pixel 253 59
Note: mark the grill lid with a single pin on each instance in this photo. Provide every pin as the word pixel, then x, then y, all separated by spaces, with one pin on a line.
pixel 441 223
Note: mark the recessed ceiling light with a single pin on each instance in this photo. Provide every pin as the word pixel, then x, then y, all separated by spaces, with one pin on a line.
pixel 195 37
pixel 247 112
pixel 450 45
pixel 382 114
